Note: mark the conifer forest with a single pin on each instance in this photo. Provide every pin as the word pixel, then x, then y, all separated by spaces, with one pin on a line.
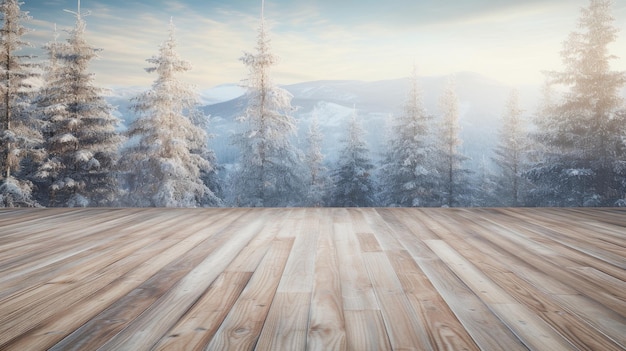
pixel 61 145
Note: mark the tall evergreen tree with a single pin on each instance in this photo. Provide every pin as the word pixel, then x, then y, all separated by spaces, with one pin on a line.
pixel 167 153
pixel 407 173
pixel 82 142
pixel 46 105
pixel 19 132
pixel 454 187
pixel 352 176
pixel 485 194
pixel 543 192
pixel 511 155
pixel 583 131
pixel 270 167
pixel 317 177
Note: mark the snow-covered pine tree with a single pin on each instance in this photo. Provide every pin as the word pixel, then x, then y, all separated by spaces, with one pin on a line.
pixel 407 174
pixel 167 154
pixel 20 137
pixel 583 132
pixel 270 171
pixel 485 194
pixel 209 175
pixel 511 155
pixel 353 185
pixel 318 179
pixel 454 187
pixel 45 105
pixel 82 142
pixel 542 192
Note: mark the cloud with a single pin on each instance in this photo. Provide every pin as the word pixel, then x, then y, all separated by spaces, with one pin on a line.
pixel 367 40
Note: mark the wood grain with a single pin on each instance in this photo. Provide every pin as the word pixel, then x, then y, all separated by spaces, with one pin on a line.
pixel 356 287
pixel 444 330
pixel 327 323
pixel 365 331
pixel 155 321
pixel 243 324
pixel 313 279
pixel 512 275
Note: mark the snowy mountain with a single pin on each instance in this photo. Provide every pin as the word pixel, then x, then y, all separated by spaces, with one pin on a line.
pixel 121 97
pixel 481 104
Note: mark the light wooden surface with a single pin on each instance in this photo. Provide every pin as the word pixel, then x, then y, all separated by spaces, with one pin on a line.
pixel 313 279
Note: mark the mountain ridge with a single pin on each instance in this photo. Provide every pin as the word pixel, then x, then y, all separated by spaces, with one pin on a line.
pixel 482 104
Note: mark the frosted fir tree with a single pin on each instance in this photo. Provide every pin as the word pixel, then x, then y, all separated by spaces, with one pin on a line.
pixel 542 193
pixel 485 194
pixel 454 187
pixel 583 131
pixel 318 180
pixel 269 173
pixel 352 176
pixel 511 155
pixel 20 137
pixel 82 142
pixel 167 155
pixel 407 174
pixel 45 106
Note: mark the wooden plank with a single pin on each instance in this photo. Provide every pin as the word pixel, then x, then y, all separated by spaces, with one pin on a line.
pixel 553 263
pixel 445 331
pixel 441 328
pixel 42 272
pixel 364 233
pixel 497 278
pixel 126 308
pixel 327 324
pixel 498 267
pixel 611 218
pixel 20 222
pixel 253 253
pixel 42 302
pixel 570 325
pixel 485 328
pixel 482 325
pixel 44 249
pixel 368 242
pixel 547 274
pixel 534 332
pixel 365 331
pixel 293 221
pixel 610 283
pixel 406 234
pixel 484 287
pixel 195 330
pixel 242 326
pixel 583 247
pixel 384 234
pixel 154 322
pixel 34 234
pixel 299 272
pixel 405 330
pixel 286 325
pixel 610 323
pixel 356 288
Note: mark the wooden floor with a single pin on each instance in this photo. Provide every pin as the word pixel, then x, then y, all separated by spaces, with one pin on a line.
pixel 313 279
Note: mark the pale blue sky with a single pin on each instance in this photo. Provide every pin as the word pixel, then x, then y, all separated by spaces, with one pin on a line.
pixel 511 41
